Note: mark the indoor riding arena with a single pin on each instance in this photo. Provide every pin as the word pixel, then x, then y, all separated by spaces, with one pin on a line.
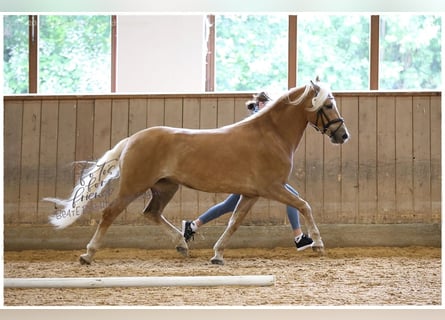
pixel 376 199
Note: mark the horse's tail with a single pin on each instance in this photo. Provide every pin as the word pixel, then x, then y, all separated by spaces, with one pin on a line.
pixel 89 186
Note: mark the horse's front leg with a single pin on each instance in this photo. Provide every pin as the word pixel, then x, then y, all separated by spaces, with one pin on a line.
pixel 243 206
pixel 284 195
pixel 312 228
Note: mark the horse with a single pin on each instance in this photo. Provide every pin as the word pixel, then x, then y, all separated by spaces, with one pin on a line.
pixel 252 157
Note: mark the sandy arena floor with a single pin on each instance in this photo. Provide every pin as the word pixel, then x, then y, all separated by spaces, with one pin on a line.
pixel 343 277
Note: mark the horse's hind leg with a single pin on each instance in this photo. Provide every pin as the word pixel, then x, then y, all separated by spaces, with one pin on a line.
pixel 109 214
pixel 162 192
pixel 243 206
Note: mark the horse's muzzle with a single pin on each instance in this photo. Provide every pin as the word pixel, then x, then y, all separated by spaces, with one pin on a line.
pixel 340 136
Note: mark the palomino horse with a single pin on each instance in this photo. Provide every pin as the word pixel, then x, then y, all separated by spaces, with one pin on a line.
pixel 252 158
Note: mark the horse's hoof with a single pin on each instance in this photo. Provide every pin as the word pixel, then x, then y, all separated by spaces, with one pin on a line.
pixel 183 251
pixel 217 261
pixel 319 250
pixel 84 260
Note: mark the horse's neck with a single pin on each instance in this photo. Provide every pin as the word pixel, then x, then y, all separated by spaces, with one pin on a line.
pixel 289 120
pixel 291 125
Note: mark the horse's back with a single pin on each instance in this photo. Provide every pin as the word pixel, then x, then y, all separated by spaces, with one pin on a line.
pixel 201 159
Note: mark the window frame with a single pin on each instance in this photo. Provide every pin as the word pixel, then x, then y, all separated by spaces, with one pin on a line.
pixel 210 56
pixel 292 52
pixel 33 41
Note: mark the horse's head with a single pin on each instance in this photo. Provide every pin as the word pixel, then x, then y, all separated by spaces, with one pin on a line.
pixel 324 115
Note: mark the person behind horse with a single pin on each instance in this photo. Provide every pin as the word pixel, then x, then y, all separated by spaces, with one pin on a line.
pixel 302 241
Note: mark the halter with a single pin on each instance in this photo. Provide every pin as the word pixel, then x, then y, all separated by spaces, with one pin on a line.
pixel 321 115
pixel 317 104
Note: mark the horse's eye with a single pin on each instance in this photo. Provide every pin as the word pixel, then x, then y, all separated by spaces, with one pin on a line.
pixel 329 106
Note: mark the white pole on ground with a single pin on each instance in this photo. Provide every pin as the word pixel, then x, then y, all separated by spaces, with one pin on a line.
pixel 107 282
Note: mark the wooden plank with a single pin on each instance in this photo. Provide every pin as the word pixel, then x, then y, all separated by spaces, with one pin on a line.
pixel 240 111
pixel 119 120
pixel 102 127
pixel 404 156
pixel 350 159
pixel 331 180
pixel 48 158
pixel 367 150
pixel 13 116
pixel 386 160
pixel 436 162
pixel 155 112
pixel 84 130
pixel 226 111
pixel 208 115
pixel 422 159
pixel 137 115
pixel 84 147
pixel 189 197
pixel 173 118
pixel 29 178
pixel 66 148
pixel 173 112
pixel 314 173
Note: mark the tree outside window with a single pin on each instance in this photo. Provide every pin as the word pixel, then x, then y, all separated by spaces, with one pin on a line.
pixel 334 47
pixel 251 52
pixel 15 54
pixel 410 52
pixel 74 54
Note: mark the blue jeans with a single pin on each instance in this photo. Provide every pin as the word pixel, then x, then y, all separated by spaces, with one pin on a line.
pixel 231 201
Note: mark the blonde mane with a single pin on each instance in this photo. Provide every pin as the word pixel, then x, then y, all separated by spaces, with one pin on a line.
pixel 300 98
pixel 320 98
pixel 323 93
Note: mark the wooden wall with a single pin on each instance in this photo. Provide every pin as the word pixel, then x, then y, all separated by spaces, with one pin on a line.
pixel 389 172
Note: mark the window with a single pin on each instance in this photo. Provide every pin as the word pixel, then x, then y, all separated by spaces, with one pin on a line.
pixel 336 48
pixel 74 54
pixel 15 54
pixel 251 52
pixel 410 52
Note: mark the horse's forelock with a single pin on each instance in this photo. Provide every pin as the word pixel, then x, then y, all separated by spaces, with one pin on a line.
pixel 322 95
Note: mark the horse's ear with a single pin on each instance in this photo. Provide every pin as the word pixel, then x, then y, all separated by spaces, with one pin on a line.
pixel 317 79
pixel 315 86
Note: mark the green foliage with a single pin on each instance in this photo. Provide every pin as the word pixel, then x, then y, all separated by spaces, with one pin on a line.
pixel 75 54
pixel 410 52
pixel 15 54
pixel 251 52
pixel 336 48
